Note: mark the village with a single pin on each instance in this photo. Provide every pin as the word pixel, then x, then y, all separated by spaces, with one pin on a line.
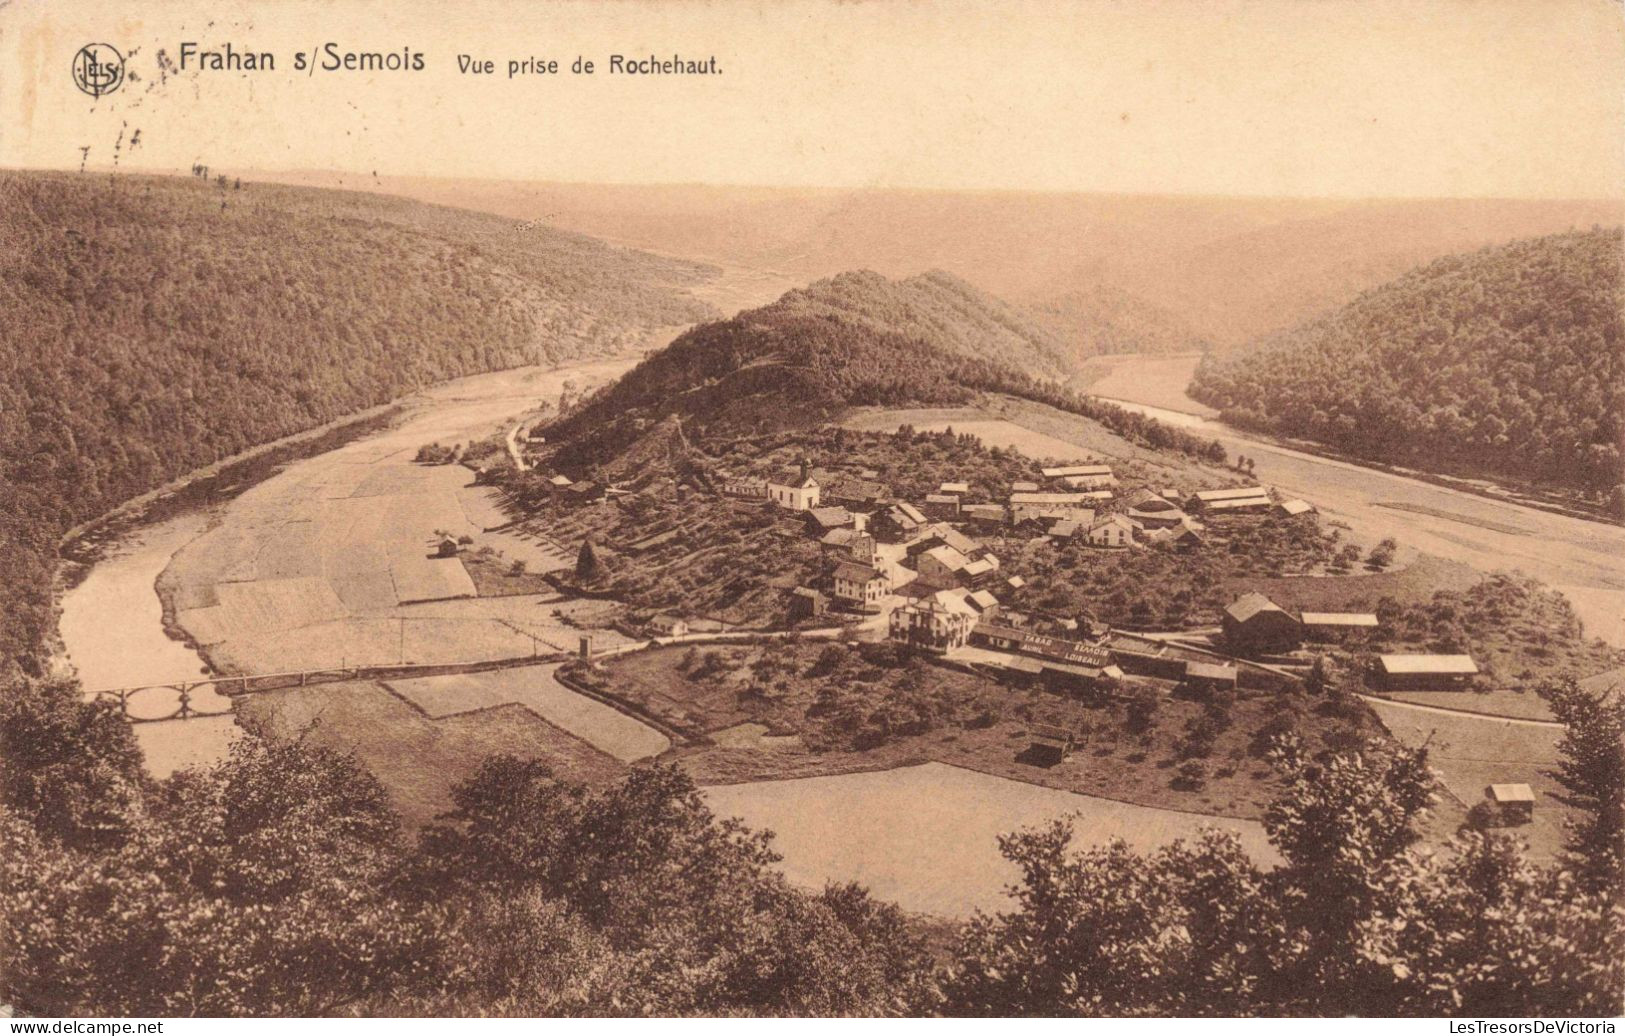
pixel 925 575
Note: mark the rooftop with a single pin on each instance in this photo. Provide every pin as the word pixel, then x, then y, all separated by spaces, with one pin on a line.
pixel 829 517
pixel 1210 671
pixel 982 600
pixel 1048 498
pixel 1248 605
pixel 1242 503
pixel 1071 470
pixel 853 572
pixel 1452 665
pixel 1049 647
pixel 1339 619
pixel 1208 495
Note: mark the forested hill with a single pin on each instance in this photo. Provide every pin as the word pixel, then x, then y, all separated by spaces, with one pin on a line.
pixel 1504 362
pixel 153 325
pixel 856 339
pixel 1100 319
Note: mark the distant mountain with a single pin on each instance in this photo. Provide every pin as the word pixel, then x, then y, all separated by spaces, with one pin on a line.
pixel 1506 361
pixel 153 325
pixel 1231 269
pixel 1102 319
pixel 857 339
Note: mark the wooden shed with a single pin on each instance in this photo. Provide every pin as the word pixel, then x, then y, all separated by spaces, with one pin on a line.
pixel 1050 744
pixel 1425 672
pixel 1514 802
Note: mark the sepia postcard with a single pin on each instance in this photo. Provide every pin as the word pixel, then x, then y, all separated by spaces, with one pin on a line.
pixel 907 509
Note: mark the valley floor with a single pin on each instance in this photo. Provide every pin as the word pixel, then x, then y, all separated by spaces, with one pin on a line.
pixel 330 562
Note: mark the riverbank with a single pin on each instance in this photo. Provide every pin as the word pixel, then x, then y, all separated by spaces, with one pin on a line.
pixel 1155 386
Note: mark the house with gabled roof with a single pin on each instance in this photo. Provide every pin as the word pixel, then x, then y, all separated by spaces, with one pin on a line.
pixel 898 523
pixel 1113 531
pixel 1254 623
pixel 938 622
pixel 859 585
pixel 822 519
pixel 800 493
pixel 857 494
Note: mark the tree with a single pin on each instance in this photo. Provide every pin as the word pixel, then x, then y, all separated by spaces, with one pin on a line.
pixel 1382 555
pixel 1142 709
pixel 1343 827
pixel 69 767
pixel 1592 769
pixel 689 901
pixel 1108 932
pixel 1319 678
pixel 259 886
pixel 589 567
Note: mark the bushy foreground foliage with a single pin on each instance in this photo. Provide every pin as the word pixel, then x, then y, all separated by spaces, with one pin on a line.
pixel 1354 921
pixel 279 882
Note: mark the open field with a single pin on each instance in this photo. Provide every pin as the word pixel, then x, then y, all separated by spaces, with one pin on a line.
pixel 1455 516
pixel 329 562
pixel 1412 583
pixel 924 836
pixel 534 688
pixel 1497 702
pixel 419 758
pixel 1045 433
pixel 1471 752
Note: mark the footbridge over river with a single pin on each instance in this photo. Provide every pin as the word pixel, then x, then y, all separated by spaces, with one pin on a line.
pixel 214 695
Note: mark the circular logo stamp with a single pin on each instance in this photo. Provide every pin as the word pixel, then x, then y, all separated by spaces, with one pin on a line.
pixel 98 69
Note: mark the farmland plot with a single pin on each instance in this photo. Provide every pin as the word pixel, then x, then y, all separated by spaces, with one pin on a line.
pixel 535 688
pixel 925 836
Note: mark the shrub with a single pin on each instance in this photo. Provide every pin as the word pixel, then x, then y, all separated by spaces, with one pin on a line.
pixel 1142 709
pixel 1192 774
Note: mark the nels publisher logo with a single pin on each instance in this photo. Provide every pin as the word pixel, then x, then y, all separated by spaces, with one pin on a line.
pixel 98 69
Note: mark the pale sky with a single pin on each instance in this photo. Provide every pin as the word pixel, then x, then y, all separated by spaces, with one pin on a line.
pixel 1275 97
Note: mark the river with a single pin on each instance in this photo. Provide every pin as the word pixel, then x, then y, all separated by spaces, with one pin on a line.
pixel 112 629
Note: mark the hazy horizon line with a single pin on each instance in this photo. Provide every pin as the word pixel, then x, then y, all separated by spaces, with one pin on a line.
pixel 846 189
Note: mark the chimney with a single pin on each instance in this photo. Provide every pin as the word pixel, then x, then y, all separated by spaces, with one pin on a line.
pixel 806 472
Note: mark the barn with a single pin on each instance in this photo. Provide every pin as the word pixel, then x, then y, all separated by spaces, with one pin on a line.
pixel 1425 672
pixel 1254 623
